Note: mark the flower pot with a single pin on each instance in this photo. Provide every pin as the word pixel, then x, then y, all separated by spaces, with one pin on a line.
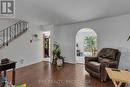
pixel 59 62
pixel 54 61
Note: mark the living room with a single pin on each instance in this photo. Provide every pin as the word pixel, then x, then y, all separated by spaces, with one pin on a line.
pixel 109 19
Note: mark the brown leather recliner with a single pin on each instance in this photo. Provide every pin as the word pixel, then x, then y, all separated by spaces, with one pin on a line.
pixel 107 57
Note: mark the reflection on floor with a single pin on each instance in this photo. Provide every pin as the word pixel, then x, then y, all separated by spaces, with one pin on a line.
pixel 47 59
pixel 80 59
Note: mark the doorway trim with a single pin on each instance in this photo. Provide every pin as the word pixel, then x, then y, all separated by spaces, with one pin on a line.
pixel 76 38
pixel 46 33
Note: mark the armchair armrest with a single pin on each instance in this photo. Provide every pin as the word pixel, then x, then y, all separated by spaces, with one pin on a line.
pixel 90 58
pixel 87 59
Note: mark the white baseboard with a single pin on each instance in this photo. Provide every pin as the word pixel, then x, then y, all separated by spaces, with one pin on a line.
pixel 72 62
pixel 25 65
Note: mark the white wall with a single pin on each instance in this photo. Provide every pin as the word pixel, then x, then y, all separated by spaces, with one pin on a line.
pixel 21 48
pixel 111 32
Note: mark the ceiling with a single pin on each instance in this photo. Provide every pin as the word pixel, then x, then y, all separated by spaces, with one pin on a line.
pixel 69 11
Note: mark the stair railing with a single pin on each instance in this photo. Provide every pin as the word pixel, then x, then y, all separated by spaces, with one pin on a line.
pixel 12 32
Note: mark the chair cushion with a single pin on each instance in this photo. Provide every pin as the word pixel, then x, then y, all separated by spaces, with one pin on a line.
pixel 101 60
pixel 94 66
pixel 108 53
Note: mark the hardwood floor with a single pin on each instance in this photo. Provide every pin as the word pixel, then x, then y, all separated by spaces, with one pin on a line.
pixel 45 74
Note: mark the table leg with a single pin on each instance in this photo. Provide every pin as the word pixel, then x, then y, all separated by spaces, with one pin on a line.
pixel 126 84
pixel 0 74
pixel 117 84
pixel 4 73
pixel 13 75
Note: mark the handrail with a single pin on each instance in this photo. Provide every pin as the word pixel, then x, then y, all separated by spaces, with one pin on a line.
pixel 14 24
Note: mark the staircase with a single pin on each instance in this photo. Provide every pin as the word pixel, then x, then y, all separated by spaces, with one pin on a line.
pixel 12 32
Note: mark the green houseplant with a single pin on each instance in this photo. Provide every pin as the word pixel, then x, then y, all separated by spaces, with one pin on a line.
pixel 57 58
pixel 90 43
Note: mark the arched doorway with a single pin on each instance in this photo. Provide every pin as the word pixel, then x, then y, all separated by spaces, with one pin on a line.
pixel 86 44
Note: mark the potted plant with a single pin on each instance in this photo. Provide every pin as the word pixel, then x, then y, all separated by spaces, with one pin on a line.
pixel 57 58
pixel 60 61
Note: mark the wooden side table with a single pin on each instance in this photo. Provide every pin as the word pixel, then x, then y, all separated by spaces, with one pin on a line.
pixel 118 76
pixel 7 66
